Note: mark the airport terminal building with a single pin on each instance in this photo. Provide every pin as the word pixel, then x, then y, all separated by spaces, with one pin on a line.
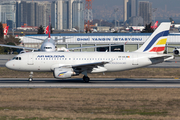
pixel 126 41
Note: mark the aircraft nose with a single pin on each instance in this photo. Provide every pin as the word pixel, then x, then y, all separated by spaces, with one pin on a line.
pixel 8 64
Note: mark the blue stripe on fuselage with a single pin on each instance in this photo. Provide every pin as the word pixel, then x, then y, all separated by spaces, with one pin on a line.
pixel 164 33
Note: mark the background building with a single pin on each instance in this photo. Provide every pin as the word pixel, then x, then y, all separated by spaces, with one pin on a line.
pixel 8 12
pixel 65 14
pixel 125 10
pixel 132 10
pixel 145 11
pixel 78 15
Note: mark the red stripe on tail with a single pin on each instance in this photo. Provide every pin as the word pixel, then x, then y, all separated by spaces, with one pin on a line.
pixel 157 49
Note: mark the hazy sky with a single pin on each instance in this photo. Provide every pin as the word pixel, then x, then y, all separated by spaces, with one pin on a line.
pixel 171 4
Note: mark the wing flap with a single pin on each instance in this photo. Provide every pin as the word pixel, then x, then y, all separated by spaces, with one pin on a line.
pixel 91 65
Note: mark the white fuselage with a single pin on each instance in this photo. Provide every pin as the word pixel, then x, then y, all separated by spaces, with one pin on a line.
pixel 48 61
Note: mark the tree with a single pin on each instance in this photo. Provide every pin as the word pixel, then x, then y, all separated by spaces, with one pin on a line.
pixel 148 29
pixel 40 30
pixel 8 49
pixel 12 39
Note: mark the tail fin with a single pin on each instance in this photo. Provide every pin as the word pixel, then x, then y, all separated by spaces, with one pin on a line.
pixel 157 41
pixel 6 30
pixel 47 30
pixel 171 20
pixel 155 25
pixel 49 36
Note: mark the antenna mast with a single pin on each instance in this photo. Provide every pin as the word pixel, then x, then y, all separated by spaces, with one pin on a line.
pixel 88 14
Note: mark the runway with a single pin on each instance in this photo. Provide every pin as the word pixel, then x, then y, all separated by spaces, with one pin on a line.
pixel 94 83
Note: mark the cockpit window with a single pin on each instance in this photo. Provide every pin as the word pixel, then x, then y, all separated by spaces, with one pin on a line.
pixel 16 58
pixel 47 47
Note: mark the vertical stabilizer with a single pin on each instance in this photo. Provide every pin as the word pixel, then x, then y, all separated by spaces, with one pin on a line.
pixel 47 30
pixel 157 41
pixel 6 30
pixel 49 35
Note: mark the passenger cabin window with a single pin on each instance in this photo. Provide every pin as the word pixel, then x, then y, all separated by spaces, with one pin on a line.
pixel 47 47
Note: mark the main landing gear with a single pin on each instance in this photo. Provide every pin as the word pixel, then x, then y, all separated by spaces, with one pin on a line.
pixel 30 77
pixel 86 79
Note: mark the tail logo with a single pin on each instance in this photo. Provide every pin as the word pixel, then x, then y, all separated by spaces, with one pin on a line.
pixel 6 30
pixel 160 40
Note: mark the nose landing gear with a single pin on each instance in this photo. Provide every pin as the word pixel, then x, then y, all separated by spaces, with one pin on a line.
pixel 30 77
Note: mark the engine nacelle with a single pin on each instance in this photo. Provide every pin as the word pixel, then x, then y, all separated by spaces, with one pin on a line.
pixel 176 51
pixel 63 73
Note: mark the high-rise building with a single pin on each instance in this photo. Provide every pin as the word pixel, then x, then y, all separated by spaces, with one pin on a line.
pixel 47 12
pixel 125 10
pixel 70 13
pixel 53 14
pixel 78 15
pixel 65 15
pixel 7 13
pixel 59 14
pixel 145 11
pixel 30 13
pixel 132 10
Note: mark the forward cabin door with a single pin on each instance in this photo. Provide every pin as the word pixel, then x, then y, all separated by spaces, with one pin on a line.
pixel 30 59
pixel 134 59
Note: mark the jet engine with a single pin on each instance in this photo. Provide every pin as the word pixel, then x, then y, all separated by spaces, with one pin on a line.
pixel 176 51
pixel 63 73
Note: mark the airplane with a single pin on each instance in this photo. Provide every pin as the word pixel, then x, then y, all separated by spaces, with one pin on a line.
pixel 175 25
pixel 140 28
pixel 176 50
pixel 6 30
pixel 67 64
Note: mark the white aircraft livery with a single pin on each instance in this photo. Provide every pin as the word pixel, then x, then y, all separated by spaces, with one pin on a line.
pixel 67 64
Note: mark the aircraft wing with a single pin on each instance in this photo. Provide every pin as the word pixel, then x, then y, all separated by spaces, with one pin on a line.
pixel 173 46
pixel 12 46
pixel 162 58
pixel 91 65
pixel 61 39
pixel 37 38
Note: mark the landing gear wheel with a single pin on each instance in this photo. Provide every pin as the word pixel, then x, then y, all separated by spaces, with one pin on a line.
pixel 86 79
pixel 30 79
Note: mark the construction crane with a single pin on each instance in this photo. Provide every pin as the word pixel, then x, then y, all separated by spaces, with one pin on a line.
pixel 88 14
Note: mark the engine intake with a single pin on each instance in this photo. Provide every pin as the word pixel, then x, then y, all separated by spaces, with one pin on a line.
pixel 63 73
pixel 176 51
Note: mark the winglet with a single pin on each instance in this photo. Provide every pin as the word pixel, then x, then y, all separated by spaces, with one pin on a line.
pixel 157 41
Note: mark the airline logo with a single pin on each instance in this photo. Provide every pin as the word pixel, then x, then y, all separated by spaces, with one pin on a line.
pixel 47 29
pixel 155 25
pixel 61 74
pixel 6 30
pixel 158 42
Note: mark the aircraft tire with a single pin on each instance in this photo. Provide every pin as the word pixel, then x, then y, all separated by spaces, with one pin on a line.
pixel 30 79
pixel 86 79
